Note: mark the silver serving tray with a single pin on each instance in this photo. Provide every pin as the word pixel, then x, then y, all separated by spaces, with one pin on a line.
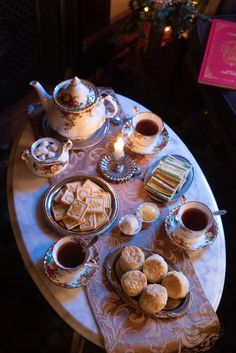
pixel 52 191
pixel 178 194
pixel 174 308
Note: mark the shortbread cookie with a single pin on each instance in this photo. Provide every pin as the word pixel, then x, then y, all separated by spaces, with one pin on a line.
pixel 77 210
pixel 71 223
pixel 89 222
pixel 177 284
pixel 131 258
pixel 101 218
pixel 105 195
pixel 95 204
pixel 91 185
pixel 59 211
pixel 133 282
pixel 67 198
pixel 82 193
pixel 155 267
pixel 73 186
pixel 153 298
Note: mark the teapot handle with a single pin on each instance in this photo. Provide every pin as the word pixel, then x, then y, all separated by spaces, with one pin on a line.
pixel 25 154
pixel 111 100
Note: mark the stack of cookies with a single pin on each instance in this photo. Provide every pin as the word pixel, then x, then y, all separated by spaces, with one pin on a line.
pixel 82 206
pixel 149 279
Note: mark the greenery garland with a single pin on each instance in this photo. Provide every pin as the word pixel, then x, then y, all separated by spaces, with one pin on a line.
pixel 179 15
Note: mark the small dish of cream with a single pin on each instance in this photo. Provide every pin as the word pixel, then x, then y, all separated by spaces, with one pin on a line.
pixel 130 224
pixel 148 212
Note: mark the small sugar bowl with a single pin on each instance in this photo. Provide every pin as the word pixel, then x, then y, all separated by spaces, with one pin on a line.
pixel 47 156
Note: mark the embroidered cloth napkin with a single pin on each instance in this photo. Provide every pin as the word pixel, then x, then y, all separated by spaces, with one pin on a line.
pixel 123 330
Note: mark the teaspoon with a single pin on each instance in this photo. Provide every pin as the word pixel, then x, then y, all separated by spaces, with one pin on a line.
pixel 219 213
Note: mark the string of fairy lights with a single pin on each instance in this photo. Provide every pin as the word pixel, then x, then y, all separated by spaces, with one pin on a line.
pixel 172 17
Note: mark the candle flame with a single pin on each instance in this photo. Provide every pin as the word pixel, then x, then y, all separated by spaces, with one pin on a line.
pixel 167 29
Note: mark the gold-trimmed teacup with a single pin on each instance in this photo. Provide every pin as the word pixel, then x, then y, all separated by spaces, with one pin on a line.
pixel 147 128
pixel 194 218
pixel 69 254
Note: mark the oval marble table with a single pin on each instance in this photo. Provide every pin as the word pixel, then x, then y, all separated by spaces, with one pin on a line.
pixel 33 237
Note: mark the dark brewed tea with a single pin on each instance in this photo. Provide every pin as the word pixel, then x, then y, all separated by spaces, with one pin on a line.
pixel 147 127
pixel 71 255
pixel 194 219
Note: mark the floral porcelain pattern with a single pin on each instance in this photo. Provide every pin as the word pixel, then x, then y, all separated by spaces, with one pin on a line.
pixel 177 237
pixel 152 149
pixel 75 110
pixel 48 170
pixel 51 167
pixel 69 119
pixel 121 327
pixel 69 101
pixel 73 279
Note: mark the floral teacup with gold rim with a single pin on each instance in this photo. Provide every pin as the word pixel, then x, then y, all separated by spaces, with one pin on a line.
pixel 143 130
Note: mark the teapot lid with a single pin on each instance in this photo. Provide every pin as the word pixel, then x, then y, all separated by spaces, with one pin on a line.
pixel 75 94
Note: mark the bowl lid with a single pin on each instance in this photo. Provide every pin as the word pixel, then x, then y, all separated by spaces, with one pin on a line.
pixel 75 94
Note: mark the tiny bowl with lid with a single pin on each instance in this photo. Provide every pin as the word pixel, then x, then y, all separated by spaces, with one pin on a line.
pixel 148 212
pixel 47 156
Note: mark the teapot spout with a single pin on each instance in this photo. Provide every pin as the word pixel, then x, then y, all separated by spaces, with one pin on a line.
pixel 45 98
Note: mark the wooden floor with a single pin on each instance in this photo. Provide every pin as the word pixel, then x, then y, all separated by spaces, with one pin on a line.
pixel 164 86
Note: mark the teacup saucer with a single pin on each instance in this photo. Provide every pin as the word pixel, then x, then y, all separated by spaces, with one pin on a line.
pixel 176 236
pixel 72 279
pixel 151 149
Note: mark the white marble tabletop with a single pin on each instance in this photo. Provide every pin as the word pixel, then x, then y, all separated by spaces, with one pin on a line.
pixel 33 236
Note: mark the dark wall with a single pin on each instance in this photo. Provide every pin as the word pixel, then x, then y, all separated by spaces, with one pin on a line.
pixel 44 40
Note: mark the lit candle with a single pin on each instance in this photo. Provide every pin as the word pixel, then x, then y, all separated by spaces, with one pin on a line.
pixel 119 149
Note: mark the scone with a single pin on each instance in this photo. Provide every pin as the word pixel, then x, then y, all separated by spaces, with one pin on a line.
pixel 177 284
pixel 133 282
pixel 155 267
pixel 153 298
pixel 131 258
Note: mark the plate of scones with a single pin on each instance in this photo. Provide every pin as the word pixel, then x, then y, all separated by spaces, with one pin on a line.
pixel 80 205
pixel 148 282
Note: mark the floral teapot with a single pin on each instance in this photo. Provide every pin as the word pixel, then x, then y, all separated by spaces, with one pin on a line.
pixel 75 110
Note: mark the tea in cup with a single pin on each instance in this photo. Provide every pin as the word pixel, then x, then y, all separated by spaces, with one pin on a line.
pixel 194 219
pixel 69 254
pixel 146 128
